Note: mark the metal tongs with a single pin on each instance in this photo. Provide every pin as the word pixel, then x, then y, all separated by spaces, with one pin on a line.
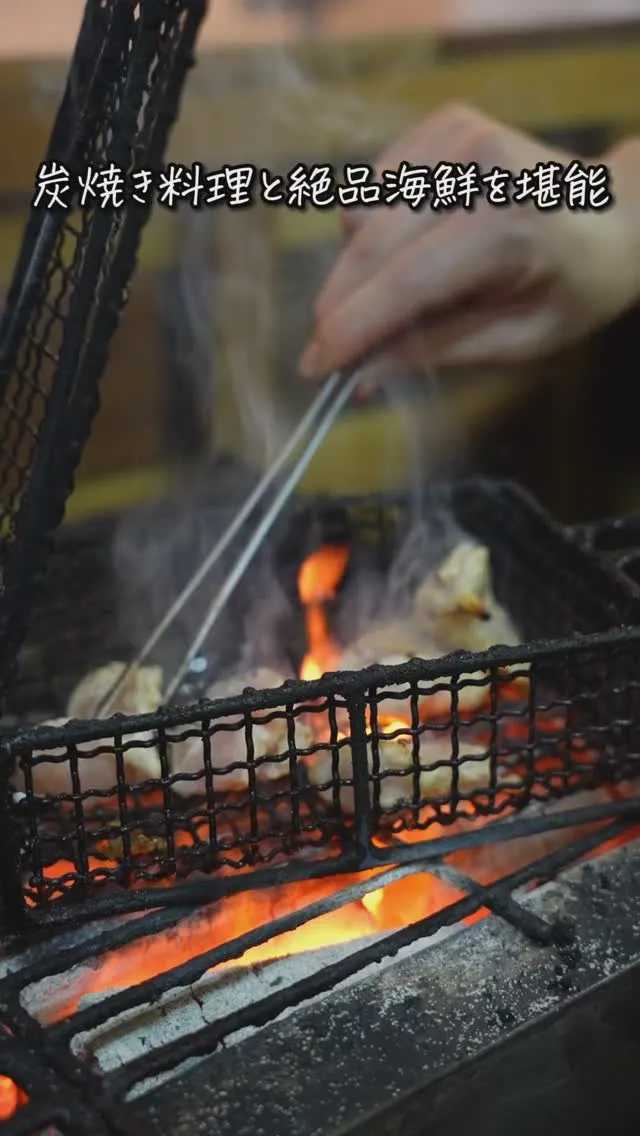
pixel 322 414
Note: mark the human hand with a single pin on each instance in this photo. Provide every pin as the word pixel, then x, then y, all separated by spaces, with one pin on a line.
pixel 482 286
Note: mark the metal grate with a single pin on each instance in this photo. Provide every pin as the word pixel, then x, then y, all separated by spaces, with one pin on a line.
pixel 84 853
pixel 61 1087
pixel 72 275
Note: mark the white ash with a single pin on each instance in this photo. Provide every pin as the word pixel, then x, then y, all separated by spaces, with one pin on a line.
pixel 184 1010
pixel 216 996
pixel 14 963
pixel 490 953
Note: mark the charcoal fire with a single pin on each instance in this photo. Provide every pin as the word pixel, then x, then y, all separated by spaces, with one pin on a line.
pixel 262 794
pixel 177 876
pixel 12 1097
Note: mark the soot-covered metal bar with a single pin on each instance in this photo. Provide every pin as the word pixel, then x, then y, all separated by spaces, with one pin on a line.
pixel 107 1094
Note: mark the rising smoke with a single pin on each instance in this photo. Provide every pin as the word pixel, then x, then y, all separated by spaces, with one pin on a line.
pixel 156 549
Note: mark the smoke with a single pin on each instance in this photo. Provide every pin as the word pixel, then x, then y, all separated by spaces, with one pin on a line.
pixel 377 593
pixel 156 551
pixel 234 353
pixel 258 309
pixel 427 543
pixel 186 301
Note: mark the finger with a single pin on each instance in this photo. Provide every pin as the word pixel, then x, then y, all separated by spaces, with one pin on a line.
pixel 371 247
pixel 351 220
pixel 372 244
pixel 440 270
pixel 451 135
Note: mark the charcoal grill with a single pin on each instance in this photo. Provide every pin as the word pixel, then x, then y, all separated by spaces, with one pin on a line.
pixel 282 832
pixel 551 584
pixel 577 617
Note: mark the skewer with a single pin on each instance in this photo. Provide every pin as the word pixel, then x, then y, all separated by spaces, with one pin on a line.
pixel 343 386
pixel 339 386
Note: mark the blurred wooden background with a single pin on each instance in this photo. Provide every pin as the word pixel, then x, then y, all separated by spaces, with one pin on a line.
pixel 328 95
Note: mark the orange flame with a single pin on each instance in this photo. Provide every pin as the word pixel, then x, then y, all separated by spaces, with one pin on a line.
pixel 384 910
pixel 318 581
pixel 395 728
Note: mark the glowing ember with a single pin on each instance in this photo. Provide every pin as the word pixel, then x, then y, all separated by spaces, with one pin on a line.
pixel 11 1098
pixel 384 910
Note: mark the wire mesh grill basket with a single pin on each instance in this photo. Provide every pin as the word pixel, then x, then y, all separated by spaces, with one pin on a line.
pixel 554 716
pixel 72 275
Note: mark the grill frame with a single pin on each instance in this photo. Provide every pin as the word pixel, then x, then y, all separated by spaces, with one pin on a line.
pixel 608 590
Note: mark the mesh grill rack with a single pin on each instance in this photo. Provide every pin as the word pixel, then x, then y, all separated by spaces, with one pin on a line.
pixel 72 275
pixel 572 725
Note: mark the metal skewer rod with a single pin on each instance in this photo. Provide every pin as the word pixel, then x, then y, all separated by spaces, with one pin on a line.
pixel 329 389
pixel 345 384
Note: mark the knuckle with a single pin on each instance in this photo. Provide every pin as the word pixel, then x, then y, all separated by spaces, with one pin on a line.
pixel 475 136
pixel 462 120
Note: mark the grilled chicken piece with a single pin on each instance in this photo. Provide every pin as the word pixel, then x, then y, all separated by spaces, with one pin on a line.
pixel 141 694
pixel 390 645
pixel 396 756
pixel 456 607
pixel 229 747
pixel 97 771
